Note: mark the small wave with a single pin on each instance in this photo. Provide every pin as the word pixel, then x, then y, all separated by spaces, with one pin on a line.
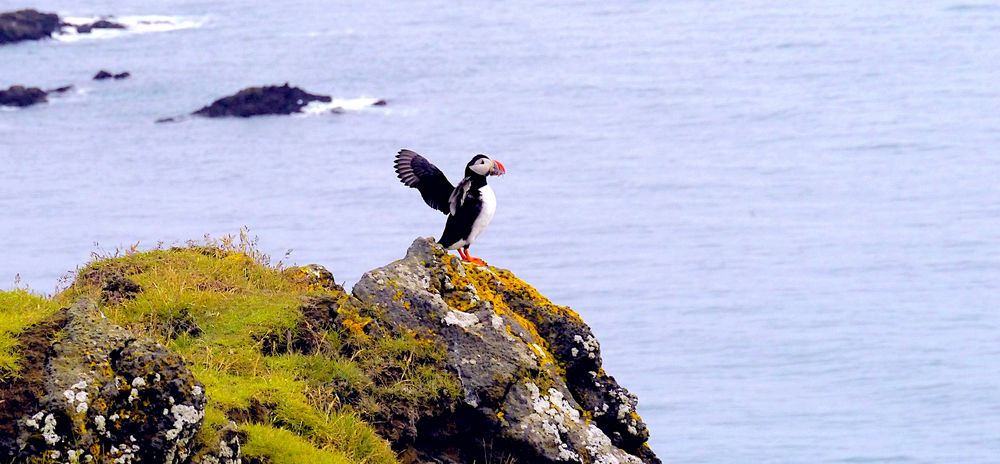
pixel 339 104
pixel 141 24
pixel 973 7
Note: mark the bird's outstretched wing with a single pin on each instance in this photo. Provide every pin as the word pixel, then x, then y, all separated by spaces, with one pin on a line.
pixel 416 172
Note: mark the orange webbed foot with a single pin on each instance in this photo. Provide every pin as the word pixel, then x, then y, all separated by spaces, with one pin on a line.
pixel 464 252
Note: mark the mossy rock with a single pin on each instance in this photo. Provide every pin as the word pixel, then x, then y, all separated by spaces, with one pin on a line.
pixel 208 353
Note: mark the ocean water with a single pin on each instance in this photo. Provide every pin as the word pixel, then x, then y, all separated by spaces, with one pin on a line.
pixel 782 219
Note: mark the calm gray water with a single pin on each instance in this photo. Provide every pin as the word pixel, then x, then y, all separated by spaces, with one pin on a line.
pixel 782 219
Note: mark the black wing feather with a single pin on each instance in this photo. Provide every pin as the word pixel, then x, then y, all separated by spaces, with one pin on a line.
pixel 416 172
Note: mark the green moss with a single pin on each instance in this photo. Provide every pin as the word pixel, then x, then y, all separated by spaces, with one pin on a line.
pixel 271 444
pixel 19 310
pixel 321 404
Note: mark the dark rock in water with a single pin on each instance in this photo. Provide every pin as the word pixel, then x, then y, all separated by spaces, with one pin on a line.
pixel 19 95
pixel 93 387
pixel 256 101
pixel 63 89
pixel 102 75
pixel 380 103
pixel 100 24
pixel 21 25
pixel 530 371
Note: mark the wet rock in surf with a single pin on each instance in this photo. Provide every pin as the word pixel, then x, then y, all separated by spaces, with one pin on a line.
pixel 99 24
pixel 266 100
pixel 257 101
pixel 17 26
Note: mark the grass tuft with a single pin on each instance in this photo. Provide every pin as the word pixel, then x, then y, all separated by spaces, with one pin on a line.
pixel 19 310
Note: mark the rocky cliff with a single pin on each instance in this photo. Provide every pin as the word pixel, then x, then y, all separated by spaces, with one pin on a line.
pixel 209 354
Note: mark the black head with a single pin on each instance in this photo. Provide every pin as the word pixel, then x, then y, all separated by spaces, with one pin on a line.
pixel 482 166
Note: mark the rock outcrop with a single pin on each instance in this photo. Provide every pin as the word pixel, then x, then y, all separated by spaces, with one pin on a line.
pixel 257 101
pixel 21 25
pixel 532 383
pixel 21 96
pixel 17 26
pixel 94 392
pixel 428 360
pixel 266 100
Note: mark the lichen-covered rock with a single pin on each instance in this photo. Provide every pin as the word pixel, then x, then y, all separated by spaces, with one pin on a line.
pixel 104 395
pixel 226 451
pixel 532 384
pixel 16 26
pixel 313 275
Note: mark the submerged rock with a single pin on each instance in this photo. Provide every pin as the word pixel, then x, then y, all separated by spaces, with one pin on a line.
pixel 530 371
pixel 99 24
pixel 256 101
pixel 93 391
pixel 22 25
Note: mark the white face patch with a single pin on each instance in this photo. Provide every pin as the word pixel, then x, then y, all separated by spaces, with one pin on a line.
pixel 482 166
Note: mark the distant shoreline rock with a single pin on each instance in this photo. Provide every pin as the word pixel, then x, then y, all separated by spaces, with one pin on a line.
pixel 30 24
pixel 257 101
pixel 21 96
pixel 264 100
pixel 99 24
pixel 21 25
pixel 102 75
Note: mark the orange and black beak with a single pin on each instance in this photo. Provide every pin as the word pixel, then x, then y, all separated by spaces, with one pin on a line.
pixel 498 169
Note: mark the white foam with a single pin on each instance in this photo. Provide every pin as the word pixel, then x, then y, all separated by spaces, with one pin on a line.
pixel 339 104
pixel 140 24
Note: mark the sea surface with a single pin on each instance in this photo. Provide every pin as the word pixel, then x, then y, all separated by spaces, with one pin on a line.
pixel 781 218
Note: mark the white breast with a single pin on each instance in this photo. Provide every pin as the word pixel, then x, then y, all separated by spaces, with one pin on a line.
pixel 486 214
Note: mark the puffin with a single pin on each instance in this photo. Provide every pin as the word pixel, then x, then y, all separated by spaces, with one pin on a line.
pixel 470 205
